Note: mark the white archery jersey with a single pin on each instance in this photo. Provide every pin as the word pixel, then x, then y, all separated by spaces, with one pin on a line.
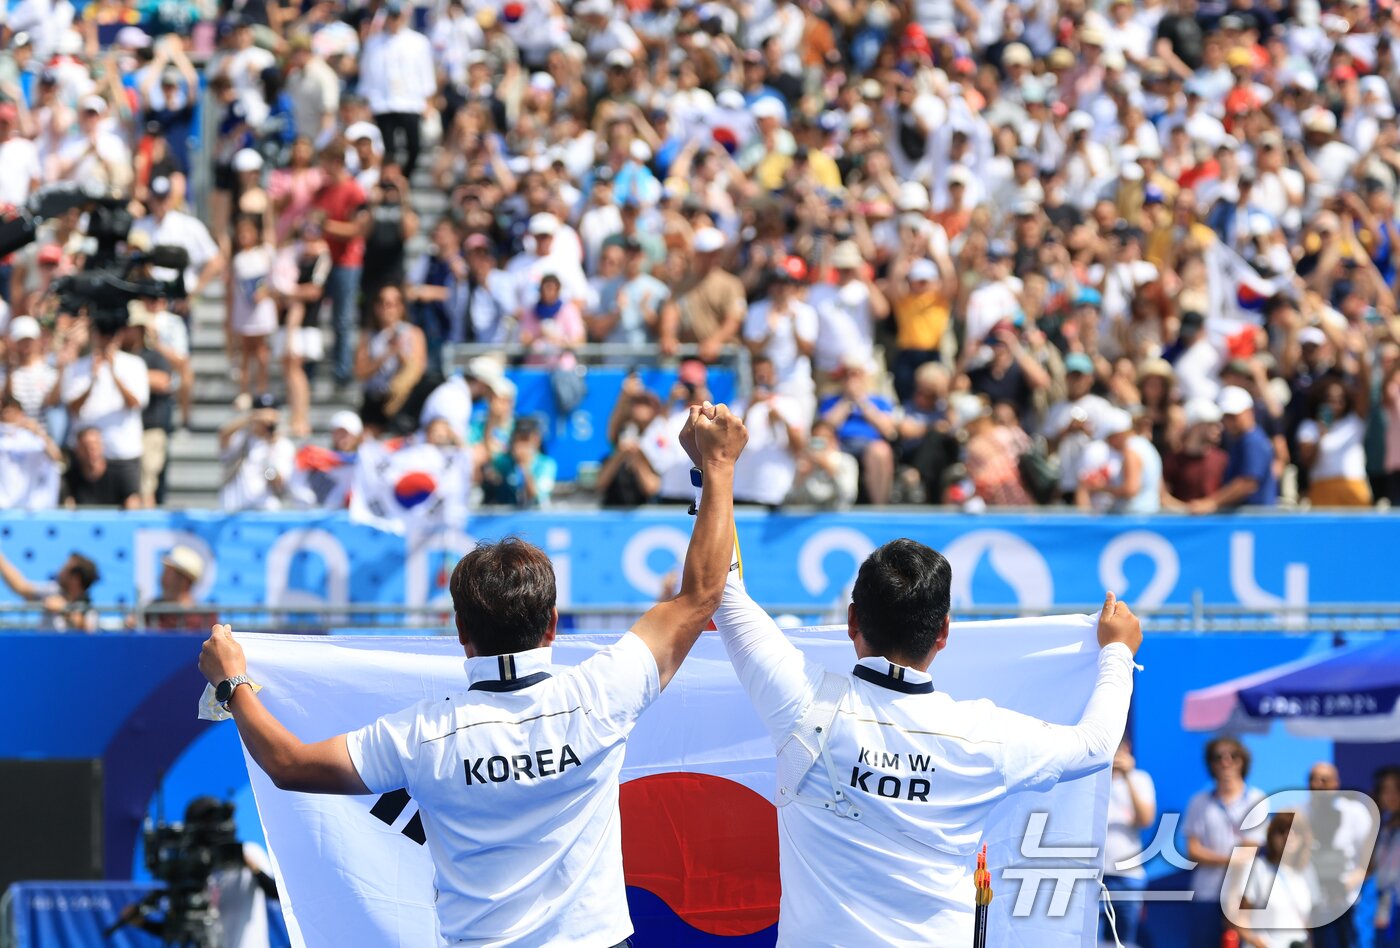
pixel 885 784
pixel 517 781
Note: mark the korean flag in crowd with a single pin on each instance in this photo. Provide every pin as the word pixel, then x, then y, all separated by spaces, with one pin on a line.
pixel 699 830
pixel 322 478
pixel 408 486
pixel 29 478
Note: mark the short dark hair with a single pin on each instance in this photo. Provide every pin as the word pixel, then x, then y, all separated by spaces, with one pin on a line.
pixel 84 569
pixel 1233 742
pixel 503 594
pixel 902 597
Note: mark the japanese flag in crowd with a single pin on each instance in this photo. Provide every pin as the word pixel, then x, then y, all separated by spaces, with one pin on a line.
pixel 410 486
pixel 699 831
pixel 28 476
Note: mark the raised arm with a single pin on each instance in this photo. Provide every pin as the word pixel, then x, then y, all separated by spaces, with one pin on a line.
pixel 714 438
pixel 323 767
pixel 1038 755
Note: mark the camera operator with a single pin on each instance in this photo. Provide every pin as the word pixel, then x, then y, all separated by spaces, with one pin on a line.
pixel 258 460
pixel 107 390
pixel 167 227
pixel 239 890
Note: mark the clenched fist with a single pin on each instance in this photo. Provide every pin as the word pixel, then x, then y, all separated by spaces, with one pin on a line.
pixel 1118 624
pixel 221 657
pixel 719 436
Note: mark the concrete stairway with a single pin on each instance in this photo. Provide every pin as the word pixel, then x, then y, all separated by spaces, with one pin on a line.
pixel 195 474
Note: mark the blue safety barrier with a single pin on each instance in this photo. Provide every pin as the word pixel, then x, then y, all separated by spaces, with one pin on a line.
pixel 608 558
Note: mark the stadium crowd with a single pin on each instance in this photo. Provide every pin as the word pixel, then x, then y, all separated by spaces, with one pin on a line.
pixel 1128 256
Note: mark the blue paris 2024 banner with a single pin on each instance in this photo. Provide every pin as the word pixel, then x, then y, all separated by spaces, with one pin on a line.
pixel 799 561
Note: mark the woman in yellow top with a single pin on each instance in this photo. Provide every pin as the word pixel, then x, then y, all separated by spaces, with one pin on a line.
pixel 921 299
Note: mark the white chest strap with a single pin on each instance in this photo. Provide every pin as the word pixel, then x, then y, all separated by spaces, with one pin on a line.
pixel 808 743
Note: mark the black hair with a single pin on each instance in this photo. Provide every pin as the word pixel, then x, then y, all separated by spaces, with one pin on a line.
pixel 84 569
pixel 902 597
pixel 504 594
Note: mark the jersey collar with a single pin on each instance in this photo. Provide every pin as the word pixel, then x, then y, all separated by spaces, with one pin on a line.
pixel 886 674
pixel 508 672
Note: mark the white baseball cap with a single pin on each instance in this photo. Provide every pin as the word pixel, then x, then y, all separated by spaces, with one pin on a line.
pixel 1311 336
pixel 347 421
pixel 923 269
pixel 246 159
pixel 1235 400
pixel 1202 411
pixel 544 224
pixel 359 130
pixel 913 196
pixel 768 107
pixel 1113 422
pixel 709 240
pixel 24 327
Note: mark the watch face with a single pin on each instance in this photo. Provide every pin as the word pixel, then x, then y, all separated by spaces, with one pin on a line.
pixel 223 692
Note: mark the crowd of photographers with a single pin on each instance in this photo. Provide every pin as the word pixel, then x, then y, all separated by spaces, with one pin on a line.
pixel 1128 256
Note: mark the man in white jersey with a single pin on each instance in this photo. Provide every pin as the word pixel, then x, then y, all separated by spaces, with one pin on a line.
pixel 517 776
pixel 873 852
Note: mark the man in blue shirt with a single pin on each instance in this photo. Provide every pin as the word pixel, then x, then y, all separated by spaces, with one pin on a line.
pixel 865 424
pixel 1249 473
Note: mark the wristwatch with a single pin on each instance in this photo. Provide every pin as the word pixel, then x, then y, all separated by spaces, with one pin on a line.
pixel 224 692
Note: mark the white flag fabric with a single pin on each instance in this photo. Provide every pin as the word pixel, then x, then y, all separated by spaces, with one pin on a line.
pixel 353 871
pixel 409 486
pixel 1238 292
pixel 29 478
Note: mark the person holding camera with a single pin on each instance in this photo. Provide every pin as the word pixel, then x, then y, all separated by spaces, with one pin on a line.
pixel 258 459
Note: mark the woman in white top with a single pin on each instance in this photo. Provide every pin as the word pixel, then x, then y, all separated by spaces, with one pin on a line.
pixel 1332 444
pixel 1281 888
pixel 1132 808
pixel 391 363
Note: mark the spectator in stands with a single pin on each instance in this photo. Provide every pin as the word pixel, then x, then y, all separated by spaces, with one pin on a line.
pixel 660 441
pixel 709 306
pixel 1342 830
pixel 432 287
pixel 341 205
pixel 1331 444
pixel 1070 424
pixel 627 478
pixel 928 447
pixel 1385 861
pixel 158 417
pixel 846 315
pixel 1282 887
pixel 490 434
pixel 635 315
pixel 176 609
pixel 1212 827
pixel 30 460
pixel 865 424
pixel 396 76
pixel 1196 468
pixel 1012 373
pixel 166 226
pixel 107 391
pixel 257 458
pixel 992 454
pixel 1132 808
pixel 552 327
pixel 393 223
pixel 391 363
pixel 28 376
pixel 92 480
pixel 921 296
pixel 299 277
pixel 825 476
pixel 66 600
pixel 252 305
pixel 1249 475
pixel 522 475
pixel 1125 476
pixel 782 330
pixel 486 309
pixel 776 424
